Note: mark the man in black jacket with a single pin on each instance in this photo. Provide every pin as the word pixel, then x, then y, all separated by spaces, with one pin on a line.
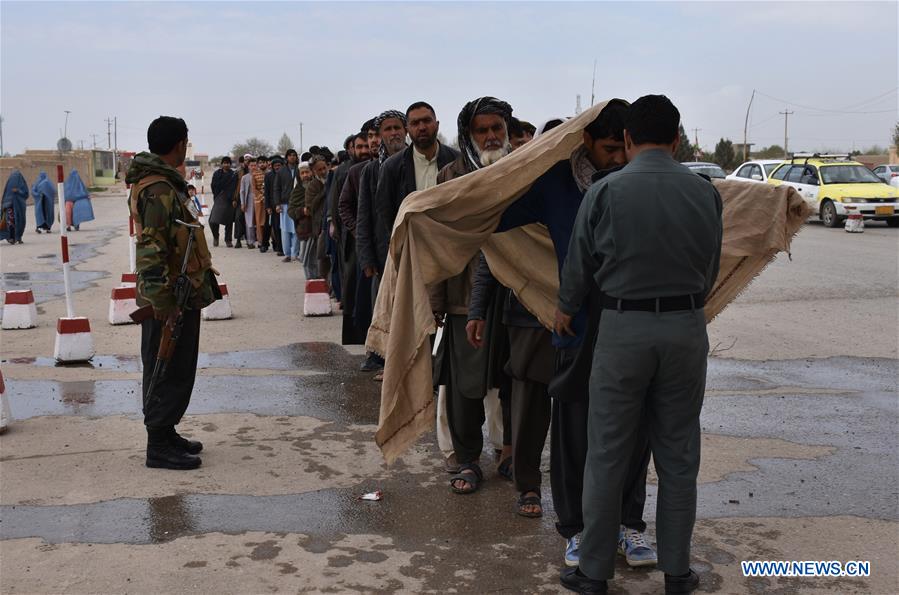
pixel 391 127
pixel 270 178
pixel 224 188
pixel 284 184
pixel 413 169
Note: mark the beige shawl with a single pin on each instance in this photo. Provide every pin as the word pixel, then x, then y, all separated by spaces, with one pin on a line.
pixel 439 230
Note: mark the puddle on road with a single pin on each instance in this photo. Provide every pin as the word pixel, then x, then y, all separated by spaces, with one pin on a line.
pixel 317 357
pixel 335 391
pixel 49 286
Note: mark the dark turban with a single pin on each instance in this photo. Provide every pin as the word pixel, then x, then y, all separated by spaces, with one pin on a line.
pixel 391 113
pixel 477 107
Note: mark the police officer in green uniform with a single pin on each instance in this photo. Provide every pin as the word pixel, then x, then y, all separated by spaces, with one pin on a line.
pixel 650 237
pixel 157 200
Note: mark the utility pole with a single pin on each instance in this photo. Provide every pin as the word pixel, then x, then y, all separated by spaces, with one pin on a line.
pixel 786 114
pixel 65 133
pixel 746 129
pixel 301 138
pixel 94 137
pixel 1 137
pixel 115 154
pixel 108 133
pixel 593 84
pixel 696 137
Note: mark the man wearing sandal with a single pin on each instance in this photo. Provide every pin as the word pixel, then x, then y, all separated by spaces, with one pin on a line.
pixel 483 140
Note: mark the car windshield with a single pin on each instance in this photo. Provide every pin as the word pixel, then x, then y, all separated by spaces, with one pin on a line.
pixel 770 167
pixel 848 174
pixel 712 171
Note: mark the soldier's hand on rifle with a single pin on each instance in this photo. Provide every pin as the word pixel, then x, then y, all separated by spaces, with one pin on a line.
pixel 370 271
pixel 439 319
pixel 278 209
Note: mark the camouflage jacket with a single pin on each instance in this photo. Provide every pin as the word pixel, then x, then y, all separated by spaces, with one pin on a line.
pixel 157 200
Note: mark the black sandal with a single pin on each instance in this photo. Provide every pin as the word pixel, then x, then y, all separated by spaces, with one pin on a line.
pixel 530 501
pixel 473 479
pixel 505 468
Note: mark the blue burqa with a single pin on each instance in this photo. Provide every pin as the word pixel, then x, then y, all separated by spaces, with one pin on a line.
pixel 15 193
pixel 77 194
pixel 44 194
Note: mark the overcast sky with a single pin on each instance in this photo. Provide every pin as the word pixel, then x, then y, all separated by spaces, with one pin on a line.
pixel 234 70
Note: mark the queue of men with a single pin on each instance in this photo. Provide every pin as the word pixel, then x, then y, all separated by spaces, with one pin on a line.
pixel 621 376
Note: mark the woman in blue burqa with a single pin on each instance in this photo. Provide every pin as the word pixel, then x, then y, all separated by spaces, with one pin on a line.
pixel 15 193
pixel 78 202
pixel 44 194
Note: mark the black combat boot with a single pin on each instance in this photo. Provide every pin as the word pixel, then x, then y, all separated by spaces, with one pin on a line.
pixel 193 447
pixel 162 454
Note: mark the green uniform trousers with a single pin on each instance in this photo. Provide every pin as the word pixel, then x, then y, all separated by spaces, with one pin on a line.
pixel 646 366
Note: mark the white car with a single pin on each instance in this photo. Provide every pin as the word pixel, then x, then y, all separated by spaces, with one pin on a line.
pixel 888 173
pixel 757 170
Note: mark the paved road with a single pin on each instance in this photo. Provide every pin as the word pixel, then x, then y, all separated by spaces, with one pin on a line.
pixel 799 457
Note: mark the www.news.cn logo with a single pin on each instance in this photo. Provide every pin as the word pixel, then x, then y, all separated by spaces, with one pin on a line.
pixel 806 568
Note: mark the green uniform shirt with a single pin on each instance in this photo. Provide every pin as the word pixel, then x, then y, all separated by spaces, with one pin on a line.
pixel 159 205
pixel 652 229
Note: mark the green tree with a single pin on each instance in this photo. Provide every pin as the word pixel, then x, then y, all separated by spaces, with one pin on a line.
pixel 254 146
pixel 896 135
pixel 685 149
pixel 772 152
pixel 724 154
pixel 284 143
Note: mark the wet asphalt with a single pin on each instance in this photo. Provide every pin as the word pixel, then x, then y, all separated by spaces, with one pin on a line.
pixel 845 403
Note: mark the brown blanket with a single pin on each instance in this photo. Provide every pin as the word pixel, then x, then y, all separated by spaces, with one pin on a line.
pixel 439 230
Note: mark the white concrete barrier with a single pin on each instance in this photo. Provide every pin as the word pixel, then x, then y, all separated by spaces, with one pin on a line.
pixel 19 310
pixel 316 302
pixel 122 303
pixel 74 342
pixel 855 223
pixel 219 309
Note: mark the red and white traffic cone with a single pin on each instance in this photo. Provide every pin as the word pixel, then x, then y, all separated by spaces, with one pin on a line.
pixel 316 302
pixel 5 413
pixel 219 309
pixel 855 223
pixel 121 304
pixel 73 333
pixel 19 310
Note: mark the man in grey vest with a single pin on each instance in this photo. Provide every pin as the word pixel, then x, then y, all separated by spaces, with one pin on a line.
pixel 650 236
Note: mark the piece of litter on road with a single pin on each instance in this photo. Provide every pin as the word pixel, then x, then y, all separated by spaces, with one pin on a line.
pixel 372 496
pixel 733 501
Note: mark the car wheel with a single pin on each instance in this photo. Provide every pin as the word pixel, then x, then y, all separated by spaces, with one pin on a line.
pixel 829 214
pixel 893 222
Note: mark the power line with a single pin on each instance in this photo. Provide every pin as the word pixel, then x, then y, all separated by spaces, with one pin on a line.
pixel 821 109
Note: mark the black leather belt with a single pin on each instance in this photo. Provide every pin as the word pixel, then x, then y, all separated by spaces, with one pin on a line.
pixel 664 304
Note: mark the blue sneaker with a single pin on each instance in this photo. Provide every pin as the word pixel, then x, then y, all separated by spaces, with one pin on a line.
pixel 572 554
pixel 632 544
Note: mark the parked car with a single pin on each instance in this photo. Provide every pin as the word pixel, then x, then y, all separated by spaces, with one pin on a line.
pixel 836 187
pixel 757 170
pixel 710 169
pixel 888 173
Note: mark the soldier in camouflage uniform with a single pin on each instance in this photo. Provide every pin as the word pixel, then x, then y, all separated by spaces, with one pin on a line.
pixel 158 198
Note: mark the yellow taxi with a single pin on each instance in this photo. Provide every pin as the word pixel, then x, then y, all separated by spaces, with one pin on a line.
pixel 836 187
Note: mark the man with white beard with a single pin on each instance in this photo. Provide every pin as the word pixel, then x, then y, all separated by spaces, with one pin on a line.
pixel 466 371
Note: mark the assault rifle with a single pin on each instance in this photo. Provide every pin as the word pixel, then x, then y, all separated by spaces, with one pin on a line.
pixel 171 329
